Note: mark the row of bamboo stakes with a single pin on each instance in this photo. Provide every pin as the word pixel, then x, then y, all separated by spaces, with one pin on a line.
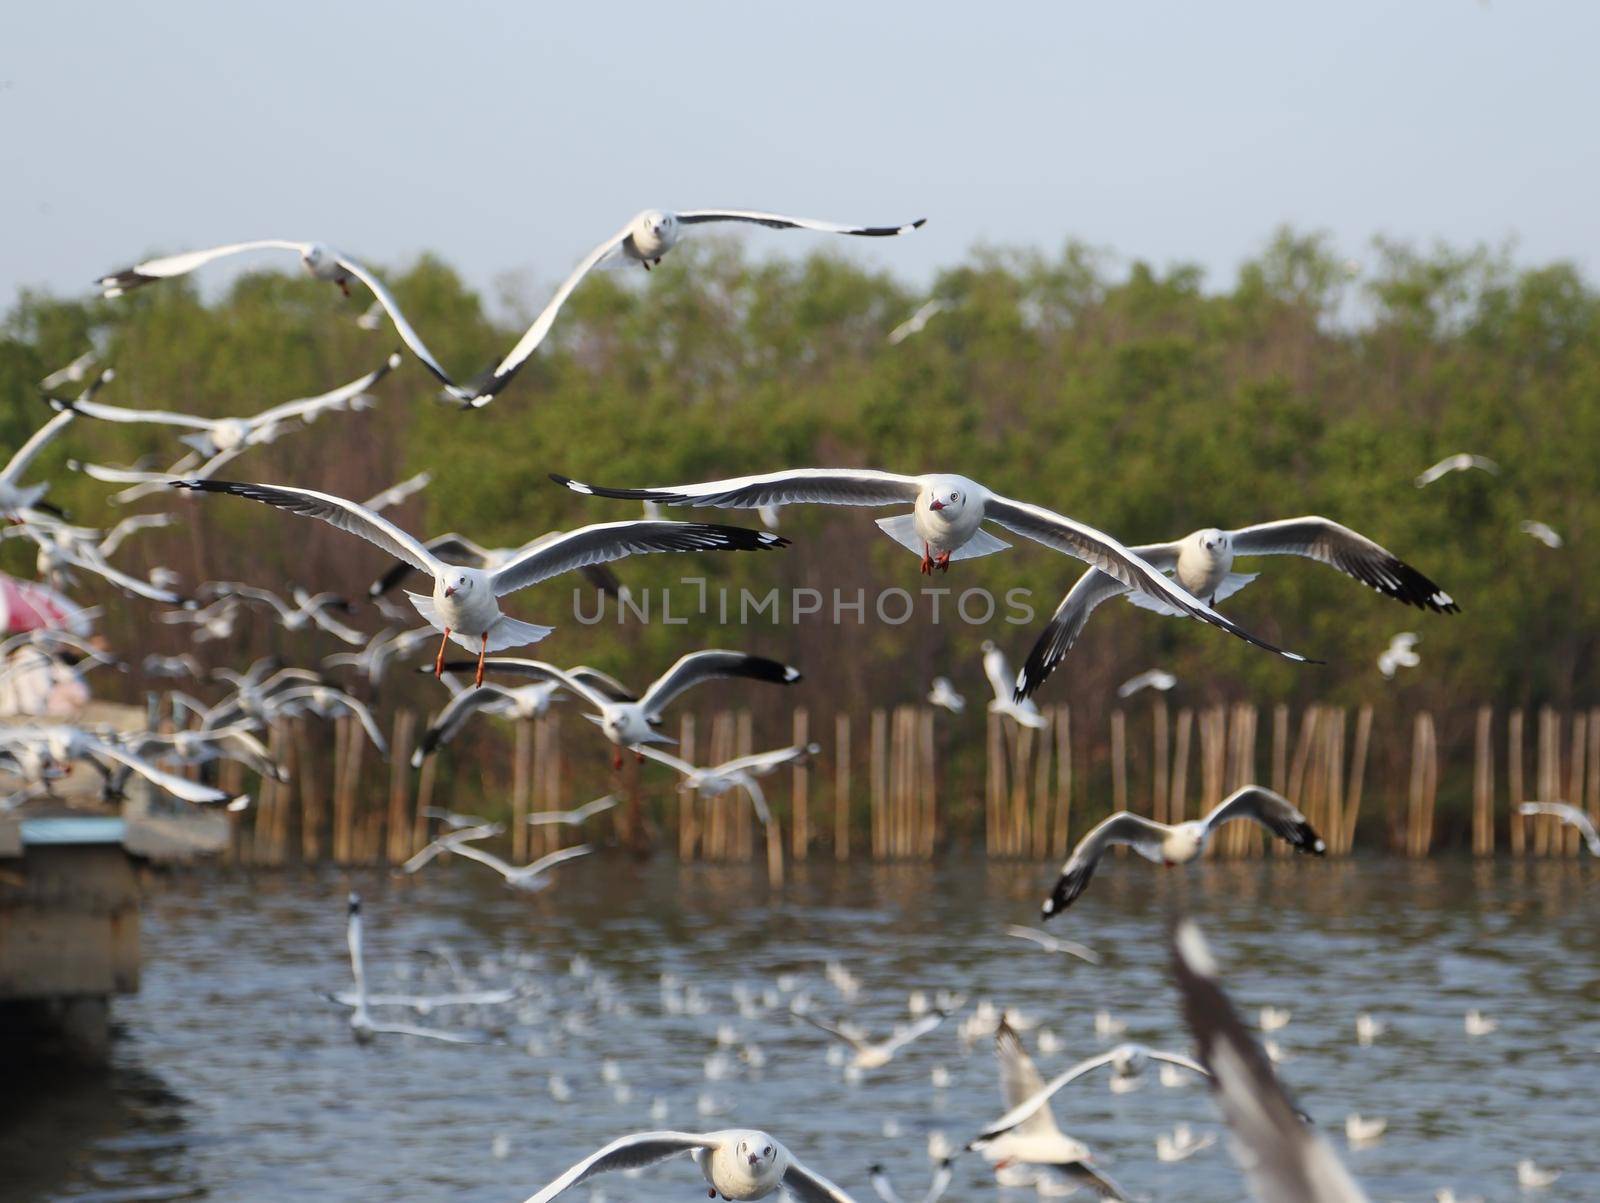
pixel 354 807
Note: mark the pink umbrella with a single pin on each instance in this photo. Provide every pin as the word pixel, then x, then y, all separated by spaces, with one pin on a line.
pixel 26 606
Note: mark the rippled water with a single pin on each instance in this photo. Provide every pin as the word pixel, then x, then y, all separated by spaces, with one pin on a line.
pixel 233 1080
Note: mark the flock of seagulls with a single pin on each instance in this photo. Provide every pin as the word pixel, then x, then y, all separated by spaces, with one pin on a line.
pixel 942 518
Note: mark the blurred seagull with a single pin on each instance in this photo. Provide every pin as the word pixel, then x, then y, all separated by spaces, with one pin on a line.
pixel 530 701
pixel 398 492
pixel 917 322
pixel 1182 1144
pixel 1182 843
pixel 1399 654
pixel 944 694
pixel 869 1055
pixel 1155 678
pixel 1477 1023
pixel 530 878
pixel 1460 462
pixel 998 669
pixel 1284 1160
pixel 1541 532
pixel 75 372
pixel 739 773
pixel 16 499
pixel 943 1172
pixel 1360 1130
pixel 576 817
pixel 645 239
pixel 1368 1029
pixel 1051 944
pixel 1570 815
pixel 1531 1177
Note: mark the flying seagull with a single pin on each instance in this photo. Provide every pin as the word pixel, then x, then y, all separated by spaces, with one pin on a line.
pixel 530 701
pixel 1155 678
pixel 875 1054
pixel 1570 815
pixel 1460 462
pixel 1180 844
pixel 739 773
pixel 465 604
pixel 998 669
pixel 1202 563
pixel 1401 653
pixel 943 694
pixel 1541 531
pixel 917 322
pixel 942 1174
pixel 948 513
pixel 459 549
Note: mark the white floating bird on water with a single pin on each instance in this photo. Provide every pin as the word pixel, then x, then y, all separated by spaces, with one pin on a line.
pixel 943 1172
pixel 1034 1140
pixel 1460 462
pixel 944 694
pixel 362 1023
pixel 1531 1177
pixel 1051 943
pixel 464 603
pixel 738 1163
pixel 1476 1023
pixel 1202 563
pixel 215 438
pixel 948 513
pixel 1368 1029
pixel 1180 844
pixel 917 322
pixel 1273 1019
pixel 645 239
pixel 998 669
pixel 874 1055
pixel 530 878
pixel 1182 1144
pixel 628 720
pixel 1545 534
pixel 575 817
pixel 1570 815
pixel 527 702
pixel 1364 1130
pixel 1401 653
pixel 1156 678
pixel 1283 1159
pixel 740 773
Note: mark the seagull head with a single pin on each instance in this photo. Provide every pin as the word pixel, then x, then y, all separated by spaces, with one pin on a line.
pixel 316 257
pixel 757 1150
pixel 948 495
pixel 461 584
pixel 1214 540
pixel 659 226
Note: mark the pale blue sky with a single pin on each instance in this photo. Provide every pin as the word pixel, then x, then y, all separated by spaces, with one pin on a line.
pixel 511 137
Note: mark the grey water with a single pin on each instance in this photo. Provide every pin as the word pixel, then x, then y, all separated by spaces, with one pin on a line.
pixel 232 1079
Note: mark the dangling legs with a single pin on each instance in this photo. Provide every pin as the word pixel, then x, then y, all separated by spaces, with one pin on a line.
pixel 483 650
pixel 438 661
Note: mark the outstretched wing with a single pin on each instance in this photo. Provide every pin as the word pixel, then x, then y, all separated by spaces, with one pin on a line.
pixel 625 1153
pixel 809 1187
pixel 759 764
pixel 1273 811
pixel 777 221
pixel 815 486
pixel 606 541
pixel 696 667
pixel 170 266
pixel 1139 833
pixel 335 398
pixel 402 327
pixel 1353 554
pixel 454 715
pixel 912 1031
pixel 36 443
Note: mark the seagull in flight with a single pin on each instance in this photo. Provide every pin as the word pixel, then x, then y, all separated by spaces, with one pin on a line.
pixel 1542 532
pixel 1460 462
pixel 917 322
pixel 998 669
pixel 739 773
pixel 943 1172
pixel 943 694
pixel 1569 815
pixel 876 1054
pixel 1156 678
pixel 1401 653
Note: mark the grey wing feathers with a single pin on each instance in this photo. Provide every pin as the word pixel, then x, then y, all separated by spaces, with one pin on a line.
pixel 625 1153
pixel 809 1187
pixel 1274 812
pixel 1121 828
pixel 711 665
pixel 816 486
pixel 605 541
pixel 1064 627
pixel 1353 554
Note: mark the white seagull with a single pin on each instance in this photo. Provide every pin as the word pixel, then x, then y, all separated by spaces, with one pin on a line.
pixel 529 701
pixel 362 1025
pixel 948 513
pixel 398 492
pixel 917 322
pixel 63 744
pixel 645 239
pixel 876 1054
pixel 1284 1160
pixel 1401 653
pixel 1567 814
pixel 1051 944
pixel 1180 844
pixel 1540 531
pixel 530 878
pixel 373 660
pixel 1459 462
pixel 1182 1144
pixel 1155 678
pixel 462 829
pixel 629 721
pixel 739 1164
pixel 16 498
pixel 998 669
pixel 944 694
pixel 943 1172
pixel 459 549
pixel 1202 563
pixel 308 610
pixel 464 604
pixel 577 816
pixel 75 372
pixel 739 773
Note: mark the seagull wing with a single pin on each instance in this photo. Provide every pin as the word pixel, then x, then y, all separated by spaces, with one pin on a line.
pixel 998 669
pixel 817 486
pixel 759 764
pixel 535 334
pixel 758 797
pixel 912 1031
pixel 1105 553
pixel 402 327
pixel 1142 835
pixel 776 221
pixel 1273 811
pixel 809 1187
pixel 447 842
pixel 336 511
pixel 170 266
pixel 1283 1160
pixel 604 683
pixel 122 580
pixel 551 859
pixel 696 667
pixel 178 787
pixel 37 441
pixel 396 493
pixel 1179 1060
pixel 606 541
pixel 309 407
pixel 853 1041
pixel 1062 631
pixel 454 548
pixel 879 1181
pixel 1028 1109
pixel 1353 554
pixel 651 752
pixel 1567 814
pixel 449 1037
pixel 454 715
pixel 625 1153
pixel 537 669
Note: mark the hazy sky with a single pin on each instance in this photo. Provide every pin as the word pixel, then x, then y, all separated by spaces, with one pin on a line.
pixel 511 137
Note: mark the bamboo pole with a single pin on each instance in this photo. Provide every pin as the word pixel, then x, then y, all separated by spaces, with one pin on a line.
pixel 1280 749
pixel 1483 783
pixel 1592 803
pixel 1336 775
pixel 1119 760
pixel 1302 752
pixel 1063 831
pixel 521 788
pixel 688 824
pixel 1575 778
pixel 1158 803
pixel 878 781
pixel 1549 776
pixel 1357 778
pixel 930 786
pixel 305 784
pixel 800 787
pixel 1518 826
pixel 400 787
pixel 1021 756
pixel 841 787
pixel 1179 787
pixel 994 786
pixel 341 799
pixel 1040 844
pixel 1213 733
pixel 743 815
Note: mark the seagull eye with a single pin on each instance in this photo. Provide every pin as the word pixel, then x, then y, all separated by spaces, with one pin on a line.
pixel 767 1152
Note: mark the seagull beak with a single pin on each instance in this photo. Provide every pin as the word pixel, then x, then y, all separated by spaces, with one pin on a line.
pixel 449 590
pixel 936 505
pixel 753 1158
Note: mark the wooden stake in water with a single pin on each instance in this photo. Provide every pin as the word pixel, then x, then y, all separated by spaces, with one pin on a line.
pixel 1483 784
pixel 1518 829
pixel 800 787
pixel 1063 831
pixel 1358 776
pixel 841 787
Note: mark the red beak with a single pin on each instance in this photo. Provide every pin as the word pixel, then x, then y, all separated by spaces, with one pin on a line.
pixel 450 591
pixel 936 505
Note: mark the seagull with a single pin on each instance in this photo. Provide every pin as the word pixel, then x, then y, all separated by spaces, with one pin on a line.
pixel 1284 1159
pixel 1182 1144
pixel 1035 1140
pixel 398 492
pixel 1180 844
pixel 235 743
pixel 998 669
pixel 308 611
pixel 459 549
pixel 1477 1023
pixel 1274 1019
pixel 645 239
pixel 1531 1177
pixel 141 481
pixel 56 560
pixel 576 817
pixel 75 372
pixel 870 1055
pixel 738 1163
pixel 1051 944
pixel 1459 462
pixel 917 322
pixel 183 665
pixel 1202 563
pixel 1570 815
pixel 1545 534
pixel 530 701
pixel 1360 1130
pixel 740 772
pixel 319 259
pixel 373 660
pixel 1368 1029
pixel 530 878
pixel 62 745
pixel 944 694
pixel 942 1174
pixel 629 721
pixel 214 438
pixel 362 1025
pixel 464 604
pixel 1155 678
pixel 325 702
pixel 462 830
pixel 16 498
pixel 1401 653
